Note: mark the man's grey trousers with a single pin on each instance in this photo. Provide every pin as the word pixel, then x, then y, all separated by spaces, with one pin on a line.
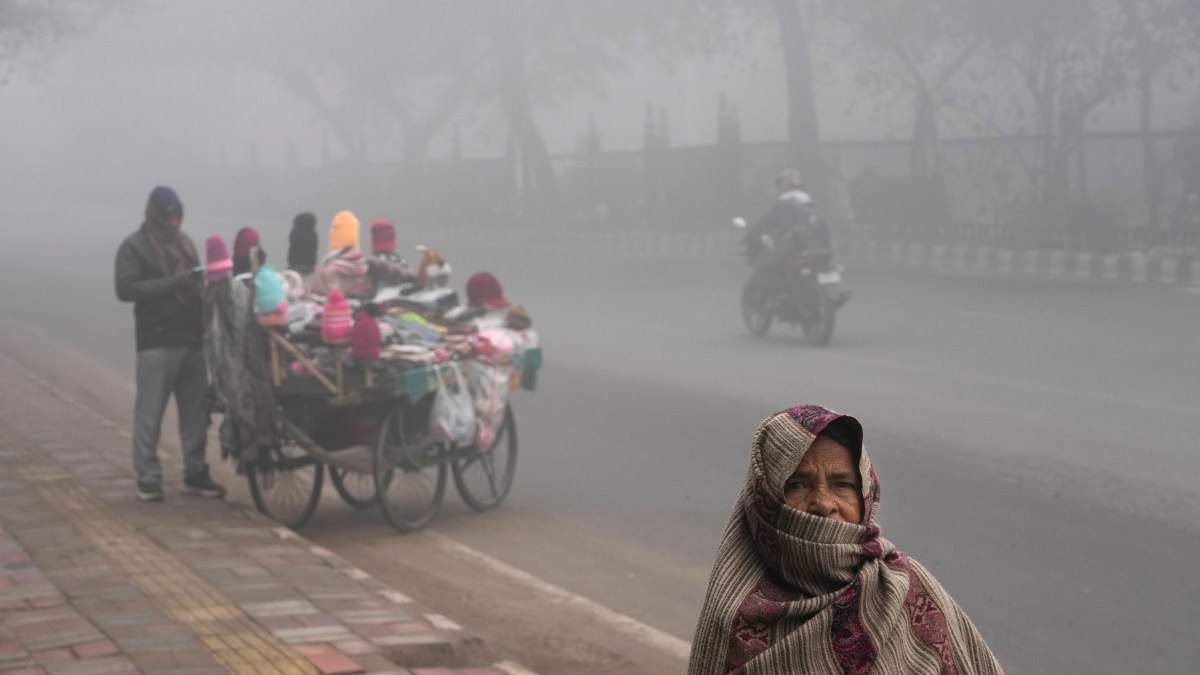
pixel 162 372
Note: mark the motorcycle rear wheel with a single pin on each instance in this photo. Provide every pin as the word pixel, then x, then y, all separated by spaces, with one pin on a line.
pixel 754 312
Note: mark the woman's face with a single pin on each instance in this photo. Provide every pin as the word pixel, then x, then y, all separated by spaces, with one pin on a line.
pixel 826 483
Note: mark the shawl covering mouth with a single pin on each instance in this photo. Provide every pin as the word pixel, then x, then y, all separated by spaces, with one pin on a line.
pixel 792 592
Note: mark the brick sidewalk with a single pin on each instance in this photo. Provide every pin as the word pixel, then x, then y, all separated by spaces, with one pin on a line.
pixel 94 581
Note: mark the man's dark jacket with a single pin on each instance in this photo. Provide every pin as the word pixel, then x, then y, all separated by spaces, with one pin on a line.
pixel 791 217
pixel 166 314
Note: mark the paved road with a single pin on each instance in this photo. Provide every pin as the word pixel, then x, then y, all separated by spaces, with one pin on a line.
pixel 1035 444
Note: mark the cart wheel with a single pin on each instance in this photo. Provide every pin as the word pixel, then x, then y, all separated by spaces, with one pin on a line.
pixel 356 488
pixel 484 478
pixel 289 489
pixel 410 478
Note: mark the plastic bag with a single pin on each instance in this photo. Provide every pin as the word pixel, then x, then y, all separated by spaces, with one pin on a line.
pixel 490 384
pixel 452 418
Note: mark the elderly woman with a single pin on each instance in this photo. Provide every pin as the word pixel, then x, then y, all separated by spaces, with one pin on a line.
pixel 803 582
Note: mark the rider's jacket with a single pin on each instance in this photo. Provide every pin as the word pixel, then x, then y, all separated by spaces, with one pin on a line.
pixel 792 220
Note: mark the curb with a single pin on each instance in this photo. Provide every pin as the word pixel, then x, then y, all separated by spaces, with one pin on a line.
pixel 1167 268
pixel 1137 267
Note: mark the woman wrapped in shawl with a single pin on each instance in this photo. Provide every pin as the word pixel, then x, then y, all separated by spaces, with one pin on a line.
pixel 803 581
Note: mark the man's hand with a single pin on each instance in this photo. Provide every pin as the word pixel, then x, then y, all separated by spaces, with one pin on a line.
pixel 186 279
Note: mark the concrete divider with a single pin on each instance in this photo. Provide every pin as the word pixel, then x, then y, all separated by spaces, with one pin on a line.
pixel 1135 266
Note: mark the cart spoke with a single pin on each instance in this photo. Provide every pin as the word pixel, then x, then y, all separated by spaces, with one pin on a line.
pixel 288 487
pixel 489 468
pixel 356 488
pixel 484 477
pixel 410 477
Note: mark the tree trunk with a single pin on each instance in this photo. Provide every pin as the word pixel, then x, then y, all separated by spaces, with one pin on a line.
pixel 803 129
pixel 925 162
pixel 514 101
pixel 1152 188
pixel 416 149
pixel 349 134
pixel 1059 200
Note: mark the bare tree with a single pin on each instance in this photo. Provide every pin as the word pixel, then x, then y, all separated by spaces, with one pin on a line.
pixel 385 64
pixel 543 50
pixel 1163 36
pixel 919 47
pixel 1070 56
pixel 33 25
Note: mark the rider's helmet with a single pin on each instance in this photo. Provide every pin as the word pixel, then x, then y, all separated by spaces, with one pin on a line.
pixel 788 180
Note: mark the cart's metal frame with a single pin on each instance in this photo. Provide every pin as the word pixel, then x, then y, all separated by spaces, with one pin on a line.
pixel 403 470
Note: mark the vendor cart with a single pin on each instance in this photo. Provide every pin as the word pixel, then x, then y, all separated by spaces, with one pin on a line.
pixel 368 427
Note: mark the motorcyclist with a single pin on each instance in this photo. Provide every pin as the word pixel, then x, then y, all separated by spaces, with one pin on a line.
pixel 792 226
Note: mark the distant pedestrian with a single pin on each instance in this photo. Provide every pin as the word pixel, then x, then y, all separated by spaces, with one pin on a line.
pixel 157 269
pixel 803 582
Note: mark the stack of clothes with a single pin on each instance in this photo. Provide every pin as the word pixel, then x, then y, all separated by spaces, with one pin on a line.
pixel 417 326
pixel 400 326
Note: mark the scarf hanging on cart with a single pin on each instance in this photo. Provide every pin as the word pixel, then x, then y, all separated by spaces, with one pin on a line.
pixel 236 350
pixel 792 592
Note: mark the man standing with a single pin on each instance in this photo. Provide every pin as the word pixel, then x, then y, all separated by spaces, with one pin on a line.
pixel 156 271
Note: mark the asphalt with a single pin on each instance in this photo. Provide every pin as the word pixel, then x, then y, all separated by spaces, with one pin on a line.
pixel 1034 438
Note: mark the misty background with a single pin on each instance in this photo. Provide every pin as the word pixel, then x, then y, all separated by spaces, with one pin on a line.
pixel 1035 438
pixel 1071 124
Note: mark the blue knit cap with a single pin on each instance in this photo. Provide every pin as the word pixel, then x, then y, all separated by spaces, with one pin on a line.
pixel 163 202
pixel 268 287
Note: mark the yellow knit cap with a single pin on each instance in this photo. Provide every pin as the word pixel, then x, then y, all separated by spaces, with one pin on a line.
pixel 344 231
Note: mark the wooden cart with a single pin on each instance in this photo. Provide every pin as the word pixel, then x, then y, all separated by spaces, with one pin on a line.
pixel 369 430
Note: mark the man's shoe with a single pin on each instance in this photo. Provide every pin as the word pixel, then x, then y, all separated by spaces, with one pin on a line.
pixel 203 486
pixel 149 492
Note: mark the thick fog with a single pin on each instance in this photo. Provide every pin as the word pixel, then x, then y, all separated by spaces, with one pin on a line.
pixel 116 97
pixel 112 98
pixel 1010 191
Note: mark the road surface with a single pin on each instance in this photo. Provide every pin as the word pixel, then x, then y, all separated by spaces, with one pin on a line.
pixel 1035 442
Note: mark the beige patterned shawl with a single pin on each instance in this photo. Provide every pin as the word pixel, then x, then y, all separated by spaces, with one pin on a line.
pixel 791 592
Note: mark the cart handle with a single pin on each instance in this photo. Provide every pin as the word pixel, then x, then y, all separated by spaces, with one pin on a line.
pixel 304 361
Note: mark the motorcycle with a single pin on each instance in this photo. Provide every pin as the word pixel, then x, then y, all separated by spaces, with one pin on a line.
pixel 805 289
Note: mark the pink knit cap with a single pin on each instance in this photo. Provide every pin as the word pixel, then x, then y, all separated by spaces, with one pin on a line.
pixel 335 320
pixel 217 258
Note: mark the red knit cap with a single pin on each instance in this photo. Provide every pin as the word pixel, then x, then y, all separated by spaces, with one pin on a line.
pixel 364 337
pixel 484 290
pixel 383 236
pixel 246 239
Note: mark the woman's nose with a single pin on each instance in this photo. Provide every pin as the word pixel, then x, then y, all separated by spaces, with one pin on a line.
pixel 820 503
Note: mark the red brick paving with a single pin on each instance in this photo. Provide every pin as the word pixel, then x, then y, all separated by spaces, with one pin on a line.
pixel 63 602
pixel 98 648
